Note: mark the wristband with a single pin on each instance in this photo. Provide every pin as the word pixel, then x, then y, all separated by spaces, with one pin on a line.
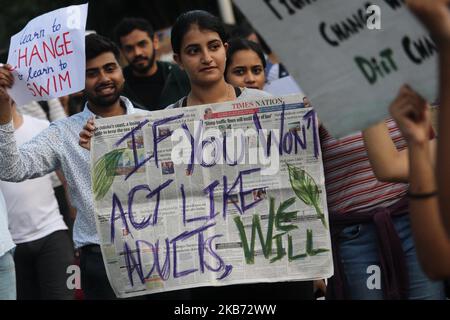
pixel 424 195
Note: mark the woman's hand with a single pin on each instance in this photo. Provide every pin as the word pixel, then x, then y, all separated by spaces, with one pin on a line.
pixel 6 81
pixel 411 113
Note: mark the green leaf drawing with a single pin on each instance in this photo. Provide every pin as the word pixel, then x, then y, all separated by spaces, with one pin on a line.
pixel 306 190
pixel 104 172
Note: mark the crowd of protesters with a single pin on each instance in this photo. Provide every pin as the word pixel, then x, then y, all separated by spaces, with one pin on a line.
pixel 387 187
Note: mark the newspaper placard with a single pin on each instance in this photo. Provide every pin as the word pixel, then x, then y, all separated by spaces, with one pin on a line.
pixel 48 56
pixel 349 69
pixel 211 195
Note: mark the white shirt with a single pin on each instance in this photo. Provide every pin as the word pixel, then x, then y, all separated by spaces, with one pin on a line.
pixel 55 112
pixel 33 211
pixel 58 148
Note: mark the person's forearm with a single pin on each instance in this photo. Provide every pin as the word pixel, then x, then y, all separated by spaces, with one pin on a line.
pixel 443 167
pixel 388 164
pixel 432 243
pixel 421 176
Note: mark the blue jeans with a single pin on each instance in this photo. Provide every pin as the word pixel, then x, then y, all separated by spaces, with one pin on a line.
pixel 7 277
pixel 359 255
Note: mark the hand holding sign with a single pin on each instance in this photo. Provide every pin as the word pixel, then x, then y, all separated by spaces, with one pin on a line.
pixel 48 55
pixel 87 133
pixel 6 78
pixel 6 81
pixel 412 115
pixel 351 71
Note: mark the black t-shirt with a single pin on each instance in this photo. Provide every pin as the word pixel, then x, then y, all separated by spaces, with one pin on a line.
pixel 146 90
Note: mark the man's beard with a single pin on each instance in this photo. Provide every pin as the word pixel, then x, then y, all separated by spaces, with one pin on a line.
pixel 104 101
pixel 143 70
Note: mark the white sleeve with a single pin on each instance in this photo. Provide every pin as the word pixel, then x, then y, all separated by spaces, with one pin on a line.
pixel 32 159
pixel 32 109
pixel 56 110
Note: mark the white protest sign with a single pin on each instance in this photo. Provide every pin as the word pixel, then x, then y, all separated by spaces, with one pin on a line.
pixel 182 203
pixel 350 70
pixel 48 56
pixel 283 86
